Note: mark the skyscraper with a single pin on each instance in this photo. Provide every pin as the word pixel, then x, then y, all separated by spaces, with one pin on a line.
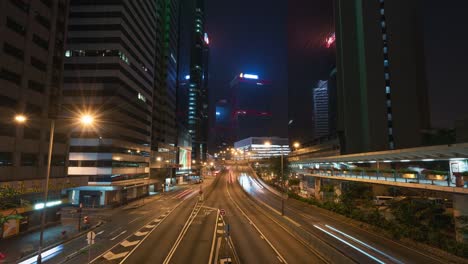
pixel 164 126
pixel 110 72
pixel 321 111
pixel 311 56
pixel 31 69
pixel 251 111
pixel 198 86
pixel 382 89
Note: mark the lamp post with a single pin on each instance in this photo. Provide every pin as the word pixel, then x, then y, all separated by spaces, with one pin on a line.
pixel 85 120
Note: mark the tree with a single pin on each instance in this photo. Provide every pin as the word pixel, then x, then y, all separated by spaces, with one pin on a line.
pixel 274 165
pixel 9 198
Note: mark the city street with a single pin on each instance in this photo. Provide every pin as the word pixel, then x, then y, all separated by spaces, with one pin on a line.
pixel 359 244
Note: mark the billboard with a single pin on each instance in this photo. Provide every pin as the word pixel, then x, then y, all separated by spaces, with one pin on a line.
pixel 185 159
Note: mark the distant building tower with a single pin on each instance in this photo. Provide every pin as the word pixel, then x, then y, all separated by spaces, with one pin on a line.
pixel 198 107
pixel 250 106
pixel 321 112
pixel 381 80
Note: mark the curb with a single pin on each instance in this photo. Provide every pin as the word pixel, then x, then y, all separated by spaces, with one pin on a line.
pixel 61 242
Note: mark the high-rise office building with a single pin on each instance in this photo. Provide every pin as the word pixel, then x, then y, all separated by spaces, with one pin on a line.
pixel 198 107
pixel 321 112
pixel 311 56
pixel 110 72
pixel 251 111
pixel 164 126
pixel 31 68
pixel 382 89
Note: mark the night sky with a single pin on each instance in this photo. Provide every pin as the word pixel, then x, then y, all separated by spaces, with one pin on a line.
pixel 249 36
pixel 254 36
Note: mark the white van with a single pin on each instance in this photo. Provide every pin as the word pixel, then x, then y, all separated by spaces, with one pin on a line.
pixel 383 200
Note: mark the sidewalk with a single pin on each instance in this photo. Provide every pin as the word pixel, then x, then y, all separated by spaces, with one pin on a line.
pixel 23 245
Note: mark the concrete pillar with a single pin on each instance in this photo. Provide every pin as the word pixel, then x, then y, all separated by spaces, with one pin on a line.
pixel 337 192
pixel 317 188
pixel 102 200
pixel 460 213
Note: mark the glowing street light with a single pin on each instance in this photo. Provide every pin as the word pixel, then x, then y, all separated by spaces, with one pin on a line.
pixel 20 118
pixel 87 119
pixel 158 159
pixel 267 143
pixel 296 145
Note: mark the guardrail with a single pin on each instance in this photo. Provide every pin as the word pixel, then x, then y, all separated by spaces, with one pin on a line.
pixel 389 177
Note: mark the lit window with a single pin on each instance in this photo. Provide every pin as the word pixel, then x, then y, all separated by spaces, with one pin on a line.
pixel 390 131
pixel 68 53
pixel 191 108
pixel 387 76
pixel 385 63
pixel 382 11
pixel 384 36
pixel 141 97
pixel 387 89
pixel 382 24
pixel 389 117
pixel 385 50
pixel 391 145
pixel 389 103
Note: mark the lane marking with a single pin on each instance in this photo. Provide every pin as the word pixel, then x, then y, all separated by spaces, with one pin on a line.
pixel 123 232
pixel 218 246
pixel 134 220
pixel 210 261
pixel 349 244
pixel 138 233
pixel 279 259
pixel 127 243
pixel 111 256
pixel 189 221
pixel 255 226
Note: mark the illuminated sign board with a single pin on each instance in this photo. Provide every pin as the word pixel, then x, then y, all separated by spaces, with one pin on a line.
pixel 248 76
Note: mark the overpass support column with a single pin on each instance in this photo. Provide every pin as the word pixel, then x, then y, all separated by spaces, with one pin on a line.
pixel 460 213
pixel 318 188
pixel 337 191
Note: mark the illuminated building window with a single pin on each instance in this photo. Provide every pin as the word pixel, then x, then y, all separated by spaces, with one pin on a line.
pixel 389 117
pixel 141 97
pixel 387 76
pixel 390 131
pixel 384 37
pixel 382 11
pixel 385 50
pixel 387 89
pixel 382 24
pixel 386 63
pixel 67 53
pixel 389 103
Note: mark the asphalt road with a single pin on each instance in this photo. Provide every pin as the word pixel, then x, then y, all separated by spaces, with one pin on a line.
pixel 198 234
pixel 358 244
pixel 118 224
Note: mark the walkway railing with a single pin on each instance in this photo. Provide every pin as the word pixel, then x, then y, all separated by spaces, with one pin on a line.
pixel 404 177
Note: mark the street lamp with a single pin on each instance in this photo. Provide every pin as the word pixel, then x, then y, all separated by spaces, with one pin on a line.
pixel 296 145
pixel 85 120
pixel 20 119
pixel 158 159
pixel 268 144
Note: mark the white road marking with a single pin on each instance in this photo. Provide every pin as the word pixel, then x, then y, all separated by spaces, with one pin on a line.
pixel 123 232
pixel 134 220
pixel 127 243
pixel 150 226
pixel 111 256
pixel 100 232
pixel 210 261
pixel 138 233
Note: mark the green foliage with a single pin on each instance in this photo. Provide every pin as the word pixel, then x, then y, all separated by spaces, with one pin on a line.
pixel 294 182
pixel 422 221
pixel 9 198
pixel 274 165
pixel 407 171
